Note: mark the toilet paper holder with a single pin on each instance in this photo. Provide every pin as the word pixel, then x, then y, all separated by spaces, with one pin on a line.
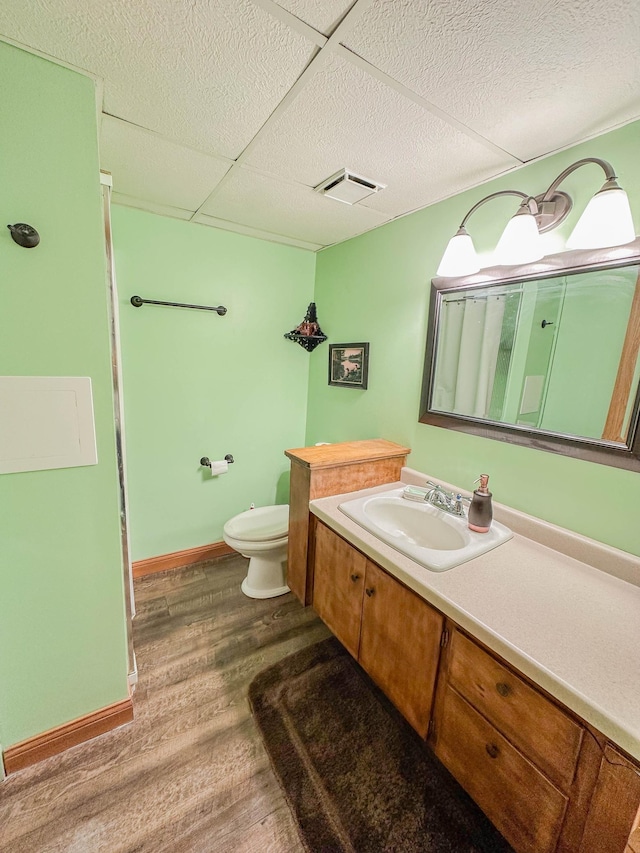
pixel 206 462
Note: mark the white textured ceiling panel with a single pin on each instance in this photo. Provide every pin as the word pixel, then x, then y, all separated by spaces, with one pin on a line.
pixel 427 97
pixel 150 167
pixel 530 76
pixel 323 17
pixel 236 228
pixel 204 73
pixel 150 207
pixel 345 117
pixel 284 207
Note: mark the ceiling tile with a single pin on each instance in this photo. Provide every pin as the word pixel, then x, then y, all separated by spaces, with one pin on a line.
pixel 202 73
pixel 323 17
pixel 345 117
pixel 151 207
pixel 287 208
pixel 150 167
pixel 530 77
pixel 237 228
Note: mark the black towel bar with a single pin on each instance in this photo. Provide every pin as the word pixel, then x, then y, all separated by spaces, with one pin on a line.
pixel 138 301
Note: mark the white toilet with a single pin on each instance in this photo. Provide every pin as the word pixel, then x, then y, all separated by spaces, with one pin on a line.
pixel 261 534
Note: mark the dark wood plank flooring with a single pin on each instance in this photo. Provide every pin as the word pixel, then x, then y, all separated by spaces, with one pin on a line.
pixel 190 774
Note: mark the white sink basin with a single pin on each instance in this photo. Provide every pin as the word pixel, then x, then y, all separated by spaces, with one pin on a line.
pixel 437 540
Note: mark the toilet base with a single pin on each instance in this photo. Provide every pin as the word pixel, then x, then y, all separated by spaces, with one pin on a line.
pixel 262 593
pixel 267 574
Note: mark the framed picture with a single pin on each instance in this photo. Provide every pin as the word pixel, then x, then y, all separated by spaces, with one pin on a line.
pixel 349 365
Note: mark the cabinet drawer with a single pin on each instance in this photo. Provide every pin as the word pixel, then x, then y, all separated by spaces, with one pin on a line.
pixel 526 808
pixel 539 729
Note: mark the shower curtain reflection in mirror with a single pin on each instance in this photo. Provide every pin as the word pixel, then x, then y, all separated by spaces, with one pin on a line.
pixel 468 347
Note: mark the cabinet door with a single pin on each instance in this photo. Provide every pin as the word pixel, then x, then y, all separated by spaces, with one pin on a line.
pixel 338 586
pixel 400 645
pixel 615 807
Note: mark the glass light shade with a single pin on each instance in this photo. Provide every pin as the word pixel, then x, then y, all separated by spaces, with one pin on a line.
pixel 520 242
pixel 459 257
pixel 605 222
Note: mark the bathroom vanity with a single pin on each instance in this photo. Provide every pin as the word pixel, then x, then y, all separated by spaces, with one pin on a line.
pixel 520 668
pixel 331 469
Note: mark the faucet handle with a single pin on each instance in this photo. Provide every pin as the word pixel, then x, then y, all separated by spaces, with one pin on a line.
pixel 459 509
pixel 438 488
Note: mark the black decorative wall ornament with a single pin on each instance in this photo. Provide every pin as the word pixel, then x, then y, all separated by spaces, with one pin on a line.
pixel 308 334
pixel 24 235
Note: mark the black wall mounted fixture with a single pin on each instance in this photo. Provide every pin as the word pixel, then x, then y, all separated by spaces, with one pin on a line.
pixel 308 333
pixel 206 462
pixel 24 235
pixel 138 302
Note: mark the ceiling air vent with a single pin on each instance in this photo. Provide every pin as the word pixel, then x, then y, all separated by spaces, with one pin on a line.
pixel 348 187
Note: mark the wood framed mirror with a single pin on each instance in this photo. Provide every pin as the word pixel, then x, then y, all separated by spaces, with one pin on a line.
pixel 546 355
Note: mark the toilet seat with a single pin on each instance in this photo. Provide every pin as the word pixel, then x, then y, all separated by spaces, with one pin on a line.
pixel 263 524
pixel 261 535
pixel 243 546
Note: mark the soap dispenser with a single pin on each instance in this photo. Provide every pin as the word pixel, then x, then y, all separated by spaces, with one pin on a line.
pixel 480 511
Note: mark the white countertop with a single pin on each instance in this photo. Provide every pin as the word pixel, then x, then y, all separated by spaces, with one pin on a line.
pixel 567 616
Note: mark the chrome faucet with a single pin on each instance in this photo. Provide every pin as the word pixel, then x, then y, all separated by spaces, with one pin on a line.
pixel 446 501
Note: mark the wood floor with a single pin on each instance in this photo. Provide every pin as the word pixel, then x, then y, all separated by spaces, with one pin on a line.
pixel 190 774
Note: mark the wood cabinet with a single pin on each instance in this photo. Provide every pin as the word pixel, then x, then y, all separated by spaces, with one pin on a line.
pixel 547 780
pixel 339 587
pixel 614 813
pixel 400 645
pixel 519 800
pixel 331 469
pixel 392 632
pixel 534 725
pixel 514 751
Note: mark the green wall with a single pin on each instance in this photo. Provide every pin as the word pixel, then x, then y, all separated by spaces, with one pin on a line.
pixel 376 288
pixel 196 384
pixel 62 626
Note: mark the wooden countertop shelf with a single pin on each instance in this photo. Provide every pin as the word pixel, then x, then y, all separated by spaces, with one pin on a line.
pixel 346 453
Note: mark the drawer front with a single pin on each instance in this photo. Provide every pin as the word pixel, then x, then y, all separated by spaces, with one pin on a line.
pixel 544 733
pixel 524 806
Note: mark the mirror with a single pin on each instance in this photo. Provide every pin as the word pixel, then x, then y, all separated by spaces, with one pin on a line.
pixel 546 355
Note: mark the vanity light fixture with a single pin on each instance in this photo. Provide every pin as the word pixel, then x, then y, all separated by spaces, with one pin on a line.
pixel 520 242
pixel 605 222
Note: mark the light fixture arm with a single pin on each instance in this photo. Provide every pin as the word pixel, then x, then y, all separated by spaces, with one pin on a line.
pixel 526 200
pixel 609 172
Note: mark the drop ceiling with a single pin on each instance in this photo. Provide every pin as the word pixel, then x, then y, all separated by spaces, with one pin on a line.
pixel 229 112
